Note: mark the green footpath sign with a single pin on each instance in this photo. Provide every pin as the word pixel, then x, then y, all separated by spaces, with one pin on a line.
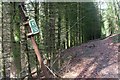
pixel 33 26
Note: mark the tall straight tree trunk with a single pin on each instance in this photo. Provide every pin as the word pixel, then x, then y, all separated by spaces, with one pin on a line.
pixel 52 31
pixel 59 37
pixel 6 39
pixel 67 28
pixel 25 52
pixel 15 37
pixel 46 32
pixel 1 39
pixel 79 25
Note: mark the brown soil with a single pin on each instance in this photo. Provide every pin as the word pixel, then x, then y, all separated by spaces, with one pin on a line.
pixel 95 59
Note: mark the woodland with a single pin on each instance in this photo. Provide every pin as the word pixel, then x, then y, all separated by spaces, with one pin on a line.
pixel 75 40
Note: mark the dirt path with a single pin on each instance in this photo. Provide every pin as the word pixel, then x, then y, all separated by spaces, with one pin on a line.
pixel 95 59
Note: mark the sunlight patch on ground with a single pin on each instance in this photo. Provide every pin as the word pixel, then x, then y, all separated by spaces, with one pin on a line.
pixel 70 75
pixel 91 69
pixel 107 71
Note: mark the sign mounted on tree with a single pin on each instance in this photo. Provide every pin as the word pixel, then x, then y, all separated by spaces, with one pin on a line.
pixel 33 26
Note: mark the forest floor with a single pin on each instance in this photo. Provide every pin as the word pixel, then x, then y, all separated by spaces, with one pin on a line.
pixel 95 59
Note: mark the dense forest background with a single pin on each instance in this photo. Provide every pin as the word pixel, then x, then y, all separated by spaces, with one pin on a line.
pixel 62 25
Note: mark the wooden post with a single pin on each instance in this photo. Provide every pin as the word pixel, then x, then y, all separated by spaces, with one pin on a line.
pixel 31 36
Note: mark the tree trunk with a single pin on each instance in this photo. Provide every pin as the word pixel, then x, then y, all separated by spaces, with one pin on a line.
pixel 6 39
